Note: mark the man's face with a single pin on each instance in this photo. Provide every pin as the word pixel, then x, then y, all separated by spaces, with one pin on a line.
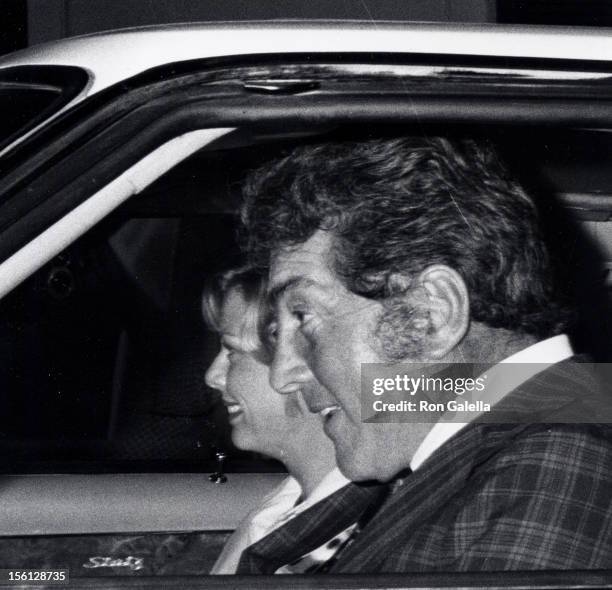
pixel 324 333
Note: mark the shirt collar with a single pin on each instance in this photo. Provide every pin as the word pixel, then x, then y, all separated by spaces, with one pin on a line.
pixel 549 351
pixel 546 352
pixel 332 482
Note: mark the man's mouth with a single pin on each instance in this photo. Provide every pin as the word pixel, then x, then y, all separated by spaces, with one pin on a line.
pixel 327 412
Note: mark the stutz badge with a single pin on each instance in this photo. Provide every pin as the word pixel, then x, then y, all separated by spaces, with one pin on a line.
pixel 134 563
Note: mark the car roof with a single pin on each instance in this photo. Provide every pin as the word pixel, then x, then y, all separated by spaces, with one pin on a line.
pixel 113 56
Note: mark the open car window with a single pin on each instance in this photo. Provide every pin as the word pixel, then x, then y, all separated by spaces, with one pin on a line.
pixel 106 342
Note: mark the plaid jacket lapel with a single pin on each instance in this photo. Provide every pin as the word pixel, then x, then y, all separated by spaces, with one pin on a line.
pixel 553 392
pixel 420 494
pixel 309 529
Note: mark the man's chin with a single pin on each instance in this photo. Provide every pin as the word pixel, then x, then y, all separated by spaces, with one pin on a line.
pixel 356 467
pixel 353 466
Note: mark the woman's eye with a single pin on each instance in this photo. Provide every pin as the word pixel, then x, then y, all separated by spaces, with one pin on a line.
pixel 230 352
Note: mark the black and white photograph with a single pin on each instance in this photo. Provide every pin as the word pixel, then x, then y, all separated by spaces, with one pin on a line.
pixel 306 294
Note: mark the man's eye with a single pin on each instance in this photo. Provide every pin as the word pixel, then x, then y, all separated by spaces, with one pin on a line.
pixel 307 323
pixel 301 315
pixel 271 332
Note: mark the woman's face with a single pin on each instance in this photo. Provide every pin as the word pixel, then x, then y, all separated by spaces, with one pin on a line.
pixel 256 412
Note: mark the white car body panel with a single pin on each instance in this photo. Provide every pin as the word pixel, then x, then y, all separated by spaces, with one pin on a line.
pixel 113 56
pixel 134 502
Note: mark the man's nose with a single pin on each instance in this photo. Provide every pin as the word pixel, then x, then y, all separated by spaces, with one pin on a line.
pixel 288 371
pixel 216 375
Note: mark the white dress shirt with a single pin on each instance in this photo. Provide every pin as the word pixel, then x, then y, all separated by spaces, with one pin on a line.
pixel 540 356
pixel 277 508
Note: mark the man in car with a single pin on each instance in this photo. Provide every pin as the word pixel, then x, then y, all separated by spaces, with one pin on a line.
pixel 427 250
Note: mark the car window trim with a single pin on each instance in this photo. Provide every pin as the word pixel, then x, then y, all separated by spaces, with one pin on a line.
pixel 212 70
pixel 132 181
pixel 97 150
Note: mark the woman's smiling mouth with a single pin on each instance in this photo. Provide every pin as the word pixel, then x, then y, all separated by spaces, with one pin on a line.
pixel 234 409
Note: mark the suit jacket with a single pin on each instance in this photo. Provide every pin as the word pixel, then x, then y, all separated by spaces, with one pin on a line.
pixel 310 529
pixel 504 496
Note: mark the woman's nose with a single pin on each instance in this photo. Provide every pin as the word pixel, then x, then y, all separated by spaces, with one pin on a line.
pixel 217 372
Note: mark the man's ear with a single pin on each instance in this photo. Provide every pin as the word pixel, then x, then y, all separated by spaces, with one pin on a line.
pixel 449 308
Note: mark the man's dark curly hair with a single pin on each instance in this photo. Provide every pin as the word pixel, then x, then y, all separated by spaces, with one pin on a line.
pixel 400 205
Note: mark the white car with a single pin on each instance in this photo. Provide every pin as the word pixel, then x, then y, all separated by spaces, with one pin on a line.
pixel 121 156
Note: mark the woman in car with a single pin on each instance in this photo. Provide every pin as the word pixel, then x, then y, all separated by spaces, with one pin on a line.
pixel 279 426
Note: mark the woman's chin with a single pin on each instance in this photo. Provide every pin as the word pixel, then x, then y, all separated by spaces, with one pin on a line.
pixel 243 440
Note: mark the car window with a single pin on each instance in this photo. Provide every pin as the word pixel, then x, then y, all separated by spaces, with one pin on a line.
pixel 105 349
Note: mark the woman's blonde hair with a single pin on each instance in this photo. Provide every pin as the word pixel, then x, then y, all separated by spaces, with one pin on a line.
pixel 251 285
